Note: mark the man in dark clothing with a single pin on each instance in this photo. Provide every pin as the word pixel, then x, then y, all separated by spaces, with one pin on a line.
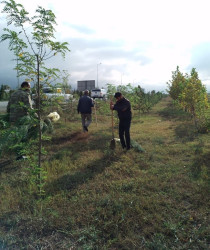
pixel 20 103
pixel 123 108
pixel 84 107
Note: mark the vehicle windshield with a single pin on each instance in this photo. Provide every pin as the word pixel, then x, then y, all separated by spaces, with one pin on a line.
pixel 47 90
pixel 96 90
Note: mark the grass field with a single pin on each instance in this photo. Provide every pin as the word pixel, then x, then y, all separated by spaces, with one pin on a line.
pixel 96 198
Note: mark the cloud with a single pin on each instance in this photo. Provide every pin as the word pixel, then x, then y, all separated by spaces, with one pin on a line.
pixel 80 28
pixel 7 63
pixel 136 41
pixel 85 54
pixel 200 57
pixel 107 50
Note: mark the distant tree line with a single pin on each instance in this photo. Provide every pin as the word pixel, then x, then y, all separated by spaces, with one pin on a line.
pixel 140 99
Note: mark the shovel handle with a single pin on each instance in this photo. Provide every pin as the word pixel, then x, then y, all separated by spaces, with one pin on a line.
pixel 112 120
pixel 112 124
pixel 95 114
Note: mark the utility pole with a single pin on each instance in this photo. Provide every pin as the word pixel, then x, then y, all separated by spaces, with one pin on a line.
pixel 97 73
pixel 121 78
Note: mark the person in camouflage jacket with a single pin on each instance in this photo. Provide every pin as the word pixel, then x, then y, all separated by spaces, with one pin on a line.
pixel 20 103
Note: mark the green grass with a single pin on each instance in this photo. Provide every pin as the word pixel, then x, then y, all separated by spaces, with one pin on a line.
pixel 96 198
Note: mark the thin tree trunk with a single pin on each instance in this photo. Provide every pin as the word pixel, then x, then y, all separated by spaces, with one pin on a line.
pixel 40 130
pixel 195 118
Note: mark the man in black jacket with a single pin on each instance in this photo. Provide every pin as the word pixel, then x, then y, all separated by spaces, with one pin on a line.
pixel 20 103
pixel 84 107
pixel 123 108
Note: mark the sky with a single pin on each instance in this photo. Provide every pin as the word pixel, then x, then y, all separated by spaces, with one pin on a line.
pixel 124 41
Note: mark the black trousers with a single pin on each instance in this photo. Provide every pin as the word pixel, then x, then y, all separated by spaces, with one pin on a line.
pixel 124 132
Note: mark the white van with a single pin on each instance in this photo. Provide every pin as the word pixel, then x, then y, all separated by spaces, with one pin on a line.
pixel 98 93
pixel 50 93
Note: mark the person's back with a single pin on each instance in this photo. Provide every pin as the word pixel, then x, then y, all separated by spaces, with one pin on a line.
pixel 19 103
pixel 85 104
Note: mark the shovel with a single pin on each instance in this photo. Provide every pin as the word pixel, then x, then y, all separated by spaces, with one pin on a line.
pixel 112 143
pixel 96 115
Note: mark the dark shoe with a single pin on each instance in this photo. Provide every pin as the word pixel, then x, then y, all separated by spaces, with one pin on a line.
pixel 21 157
pixel 85 127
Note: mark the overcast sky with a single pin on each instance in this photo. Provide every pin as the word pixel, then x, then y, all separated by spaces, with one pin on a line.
pixel 136 41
